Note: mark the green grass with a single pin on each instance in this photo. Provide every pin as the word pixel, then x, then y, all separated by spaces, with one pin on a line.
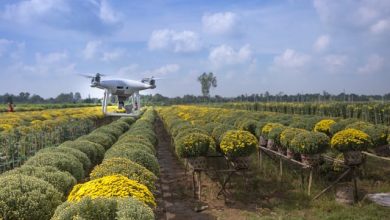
pixel 273 199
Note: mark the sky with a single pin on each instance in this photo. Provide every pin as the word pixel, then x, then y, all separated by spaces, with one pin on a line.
pixel 291 46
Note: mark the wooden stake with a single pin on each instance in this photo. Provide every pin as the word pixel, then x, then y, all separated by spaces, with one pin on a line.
pixel 310 182
pixel 200 185
pixel 280 169
pixel 355 190
pixel 334 183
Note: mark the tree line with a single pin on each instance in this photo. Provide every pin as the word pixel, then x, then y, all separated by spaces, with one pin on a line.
pixel 26 97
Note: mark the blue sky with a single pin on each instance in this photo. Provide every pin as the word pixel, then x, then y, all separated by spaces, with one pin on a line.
pixel 290 46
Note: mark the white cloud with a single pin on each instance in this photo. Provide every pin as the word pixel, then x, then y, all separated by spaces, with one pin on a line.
pixel 335 62
pixel 291 59
pixel 164 70
pixel 51 58
pixel 113 55
pixel 219 23
pixel 26 11
pixel 374 64
pixel 184 41
pixel 226 55
pixel 380 26
pixel 91 49
pixel 322 43
pixel 107 14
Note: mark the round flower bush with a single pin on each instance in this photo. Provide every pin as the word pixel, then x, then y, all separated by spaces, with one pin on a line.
pixel 288 135
pixel 134 146
pixel 341 125
pixel 27 197
pixel 141 157
pixel 126 168
pixel 82 157
pixel 238 143
pixel 275 133
pixel 350 140
pixel 136 138
pixel 377 133
pixel 219 131
pixel 104 208
pixel 61 180
pixel 188 131
pixel 194 145
pixel 248 125
pixel 268 127
pixel 209 127
pixel 112 186
pixel 310 142
pixel 324 126
pixel 105 140
pixel 95 152
pixel 111 130
pixel 62 161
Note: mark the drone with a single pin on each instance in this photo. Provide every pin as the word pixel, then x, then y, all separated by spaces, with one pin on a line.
pixel 123 89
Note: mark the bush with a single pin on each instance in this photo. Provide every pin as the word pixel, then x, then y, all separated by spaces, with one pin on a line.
pixel 99 138
pixel 219 131
pixel 94 152
pixel 237 143
pixel 341 125
pixel 377 133
pixel 288 135
pixel 248 125
pixel 128 120
pixel 310 142
pixel 209 127
pixel 268 127
pixel 146 133
pixel 104 208
pixel 141 157
pixel 27 197
pixel 324 126
pixel 81 156
pixel 275 133
pixel 112 186
pixel 111 130
pixel 133 146
pixel 61 180
pixel 350 140
pixel 136 138
pixel 194 145
pixel 121 124
pixel 188 131
pixel 62 161
pixel 126 168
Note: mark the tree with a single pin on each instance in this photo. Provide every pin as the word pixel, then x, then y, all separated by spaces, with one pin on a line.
pixel 207 81
pixel 77 97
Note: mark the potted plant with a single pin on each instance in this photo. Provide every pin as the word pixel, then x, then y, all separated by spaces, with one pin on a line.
pixel 286 137
pixel 274 135
pixel 310 145
pixel 351 142
pixel 324 126
pixel 265 131
pixel 238 145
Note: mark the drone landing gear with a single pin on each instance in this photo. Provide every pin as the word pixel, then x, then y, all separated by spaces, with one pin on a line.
pixel 132 110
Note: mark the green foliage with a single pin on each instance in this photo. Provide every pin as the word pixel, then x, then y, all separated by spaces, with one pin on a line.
pixel 275 133
pixel 341 125
pixel 219 131
pixel 111 130
pixel 288 135
pixel 27 197
pixel 310 142
pixel 104 208
pixel 207 81
pixel 133 146
pixel 191 130
pixel 62 161
pixel 248 125
pixel 137 139
pixel 238 143
pixel 377 133
pixel 141 157
pixel 95 152
pixel 61 180
pixel 82 157
pixel 193 145
pixel 99 138
pixel 127 168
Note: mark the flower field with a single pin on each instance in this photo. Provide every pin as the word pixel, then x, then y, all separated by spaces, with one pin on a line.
pixel 121 165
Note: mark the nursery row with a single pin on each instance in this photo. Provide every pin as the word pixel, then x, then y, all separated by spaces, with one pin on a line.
pixel 39 107
pixel 207 130
pixel 118 187
pixel 377 113
pixel 30 132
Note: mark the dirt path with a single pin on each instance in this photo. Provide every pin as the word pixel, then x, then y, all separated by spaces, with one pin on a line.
pixel 174 199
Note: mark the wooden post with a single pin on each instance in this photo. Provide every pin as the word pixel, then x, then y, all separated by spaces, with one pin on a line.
pixel 260 158
pixel 355 190
pixel 310 181
pixel 199 185
pixel 334 183
pixel 280 169
pixel 302 179
pixel 194 183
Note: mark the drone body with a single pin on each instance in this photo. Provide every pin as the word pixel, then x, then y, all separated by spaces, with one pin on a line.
pixel 123 89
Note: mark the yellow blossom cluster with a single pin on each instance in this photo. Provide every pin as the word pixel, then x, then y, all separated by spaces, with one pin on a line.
pixel 238 143
pixel 112 186
pixel 350 139
pixel 324 126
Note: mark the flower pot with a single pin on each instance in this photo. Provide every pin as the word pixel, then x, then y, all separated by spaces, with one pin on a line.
pixel 271 144
pixel 353 158
pixel 310 159
pixel 263 141
pixel 197 163
pixel 281 150
pixel 290 154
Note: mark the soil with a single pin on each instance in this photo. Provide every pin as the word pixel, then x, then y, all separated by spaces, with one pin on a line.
pixel 175 196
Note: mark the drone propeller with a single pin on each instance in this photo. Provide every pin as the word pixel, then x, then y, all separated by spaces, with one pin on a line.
pixel 91 76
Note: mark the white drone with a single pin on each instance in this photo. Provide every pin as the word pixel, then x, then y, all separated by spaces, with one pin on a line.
pixel 123 89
